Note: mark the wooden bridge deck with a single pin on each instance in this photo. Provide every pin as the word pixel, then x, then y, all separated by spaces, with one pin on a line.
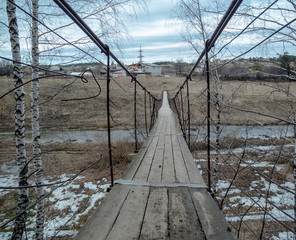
pixel 161 195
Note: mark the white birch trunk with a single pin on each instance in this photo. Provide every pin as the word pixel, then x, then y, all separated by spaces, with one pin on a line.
pixel 19 122
pixel 218 88
pixel 217 145
pixel 35 124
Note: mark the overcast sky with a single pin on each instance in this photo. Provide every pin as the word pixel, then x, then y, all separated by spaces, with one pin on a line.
pixel 157 32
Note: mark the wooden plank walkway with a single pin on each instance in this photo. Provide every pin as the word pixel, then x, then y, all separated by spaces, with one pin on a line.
pixel 161 194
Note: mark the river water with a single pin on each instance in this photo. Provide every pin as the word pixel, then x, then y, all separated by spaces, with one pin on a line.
pixel 237 131
pixel 198 132
pixel 79 136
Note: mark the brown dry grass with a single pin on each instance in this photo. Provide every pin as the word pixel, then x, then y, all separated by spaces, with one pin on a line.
pixel 69 158
pixel 258 96
pixel 91 114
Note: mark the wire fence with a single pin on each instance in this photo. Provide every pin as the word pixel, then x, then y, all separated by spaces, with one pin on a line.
pixel 242 132
pixel 91 122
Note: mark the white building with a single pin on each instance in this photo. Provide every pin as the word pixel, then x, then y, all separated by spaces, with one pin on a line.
pixel 147 68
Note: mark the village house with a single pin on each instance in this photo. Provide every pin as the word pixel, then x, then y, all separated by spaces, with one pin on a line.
pixel 119 73
pixel 145 68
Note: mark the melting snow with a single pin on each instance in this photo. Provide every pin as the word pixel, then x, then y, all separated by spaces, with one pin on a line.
pixel 7 180
pixel 280 202
pixel 64 201
pixel 283 235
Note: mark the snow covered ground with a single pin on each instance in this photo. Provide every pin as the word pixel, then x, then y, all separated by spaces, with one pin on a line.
pixel 280 203
pixel 62 201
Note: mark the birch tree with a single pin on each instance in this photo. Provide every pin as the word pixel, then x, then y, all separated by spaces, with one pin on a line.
pixel 35 123
pixel 19 121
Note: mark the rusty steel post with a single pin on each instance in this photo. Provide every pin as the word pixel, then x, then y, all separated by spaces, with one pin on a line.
pixel 188 114
pixel 182 115
pixel 150 113
pixel 108 116
pixel 178 113
pixel 135 114
pixel 208 116
pixel 154 111
pixel 145 95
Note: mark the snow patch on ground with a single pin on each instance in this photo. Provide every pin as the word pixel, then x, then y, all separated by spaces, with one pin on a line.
pixel 283 235
pixel 63 201
pixel 249 149
pixel 280 202
pixel 7 181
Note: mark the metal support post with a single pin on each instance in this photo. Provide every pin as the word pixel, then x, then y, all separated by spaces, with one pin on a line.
pixel 153 111
pixel 108 116
pixel 150 111
pixel 135 114
pixel 188 114
pixel 145 112
pixel 178 113
pixel 182 115
pixel 208 116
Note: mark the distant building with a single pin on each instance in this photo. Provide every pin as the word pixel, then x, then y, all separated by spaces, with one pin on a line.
pixel 120 73
pixel 198 69
pixel 145 68
pixel 153 69
pixel 54 68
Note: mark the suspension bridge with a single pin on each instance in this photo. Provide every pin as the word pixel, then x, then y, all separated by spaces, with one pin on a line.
pixel 161 195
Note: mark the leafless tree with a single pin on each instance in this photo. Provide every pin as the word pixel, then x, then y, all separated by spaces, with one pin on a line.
pixel 35 123
pixel 20 221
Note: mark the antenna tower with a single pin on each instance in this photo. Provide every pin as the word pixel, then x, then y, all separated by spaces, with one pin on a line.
pixel 140 56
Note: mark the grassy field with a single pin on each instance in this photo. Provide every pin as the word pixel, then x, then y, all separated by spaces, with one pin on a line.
pixel 266 97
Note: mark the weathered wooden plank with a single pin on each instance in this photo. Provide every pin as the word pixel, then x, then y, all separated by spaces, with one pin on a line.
pixel 155 225
pixel 156 168
pixel 184 223
pixel 142 172
pixel 144 169
pixel 213 222
pixel 129 221
pixel 157 164
pixel 168 173
pixel 100 223
pixel 180 168
pixel 192 170
pixel 130 172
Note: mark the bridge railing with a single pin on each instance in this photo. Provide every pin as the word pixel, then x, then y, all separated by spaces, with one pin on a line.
pixel 241 128
pixel 90 121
